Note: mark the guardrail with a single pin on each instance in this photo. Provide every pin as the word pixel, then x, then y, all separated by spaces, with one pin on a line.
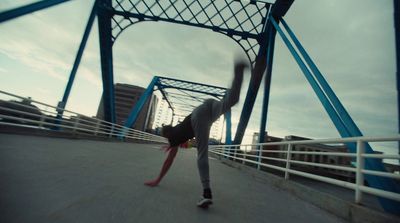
pixel 29 113
pixel 285 162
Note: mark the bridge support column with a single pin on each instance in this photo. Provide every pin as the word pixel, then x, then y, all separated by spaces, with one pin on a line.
pixel 228 135
pixel 105 39
pixel 267 83
pixel 278 10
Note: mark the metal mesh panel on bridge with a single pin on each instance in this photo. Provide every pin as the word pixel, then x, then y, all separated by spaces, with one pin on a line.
pixel 242 21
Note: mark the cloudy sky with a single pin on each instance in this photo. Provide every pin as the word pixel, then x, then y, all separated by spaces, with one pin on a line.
pixel 352 42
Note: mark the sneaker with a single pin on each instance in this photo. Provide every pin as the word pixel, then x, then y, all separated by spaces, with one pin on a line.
pixel 204 202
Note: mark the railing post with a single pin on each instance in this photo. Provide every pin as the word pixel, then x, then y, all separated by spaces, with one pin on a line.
pixel 228 152
pixel 96 130
pixel 111 131
pixel 75 124
pixel 244 154
pixel 360 167
pixel 288 157
pixel 234 153
pixel 259 156
pixel 41 121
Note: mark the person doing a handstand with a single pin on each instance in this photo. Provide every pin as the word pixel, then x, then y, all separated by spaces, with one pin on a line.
pixel 198 125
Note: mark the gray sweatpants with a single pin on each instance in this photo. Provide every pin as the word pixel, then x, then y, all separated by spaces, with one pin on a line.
pixel 203 117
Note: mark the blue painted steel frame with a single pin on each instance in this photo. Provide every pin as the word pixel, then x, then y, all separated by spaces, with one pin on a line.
pixel 195 13
pixel 267 87
pixel 77 61
pixel 396 5
pixel 267 83
pixel 105 40
pixel 14 13
pixel 134 114
pixel 160 85
pixel 279 9
pixel 251 95
pixel 105 13
pixel 214 28
pixel 228 134
pixel 340 117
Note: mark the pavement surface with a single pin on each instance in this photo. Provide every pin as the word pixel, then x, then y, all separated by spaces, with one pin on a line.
pixel 70 180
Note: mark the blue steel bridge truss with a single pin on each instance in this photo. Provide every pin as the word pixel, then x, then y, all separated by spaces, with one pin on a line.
pixel 251 24
pixel 182 97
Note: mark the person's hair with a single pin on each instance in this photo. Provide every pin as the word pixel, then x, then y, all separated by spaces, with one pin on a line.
pixel 166 131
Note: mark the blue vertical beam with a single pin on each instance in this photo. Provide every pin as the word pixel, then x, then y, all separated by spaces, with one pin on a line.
pixel 338 115
pixel 77 61
pixel 134 114
pixel 228 135
pixel 106 58
pixel 267 87
pixel 396 6
pixel 254 85
pixel 279 9
pixel 24 10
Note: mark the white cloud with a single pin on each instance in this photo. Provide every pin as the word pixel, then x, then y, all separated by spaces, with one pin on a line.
pixel 3 70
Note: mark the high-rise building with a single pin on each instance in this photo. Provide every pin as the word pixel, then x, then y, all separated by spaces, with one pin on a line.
pixel 126 96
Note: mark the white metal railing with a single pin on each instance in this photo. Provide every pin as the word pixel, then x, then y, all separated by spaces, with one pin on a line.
pixel 34 114
pixel 257 158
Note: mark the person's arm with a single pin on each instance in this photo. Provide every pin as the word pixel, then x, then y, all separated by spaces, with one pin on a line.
pixel 167 164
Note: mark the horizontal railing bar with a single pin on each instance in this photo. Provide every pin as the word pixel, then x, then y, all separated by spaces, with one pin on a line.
pixel 38 102
pixel 381 174
pixel 319 141
pixel 380 193
pixel 350 169
pixel 303 152
pixel 67 121
pixel 58 108
pixel 308 175
pixel 25 106
pixel 59 125
pixel 381 156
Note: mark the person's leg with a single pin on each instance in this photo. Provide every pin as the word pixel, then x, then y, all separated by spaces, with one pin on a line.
pixel 231 96
pixel 201 124
pixel 202 135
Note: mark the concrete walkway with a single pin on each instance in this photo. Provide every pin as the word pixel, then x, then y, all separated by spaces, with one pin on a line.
pixel 64 180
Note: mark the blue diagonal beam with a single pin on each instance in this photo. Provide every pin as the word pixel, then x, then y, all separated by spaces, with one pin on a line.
pixel 352 127
pixel 77 61
pixel 342 121
pixel 317 89
pixel 24 10
pixel 134 114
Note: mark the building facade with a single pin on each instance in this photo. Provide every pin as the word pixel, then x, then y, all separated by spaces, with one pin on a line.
pixel 126 96
pixel 311 158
